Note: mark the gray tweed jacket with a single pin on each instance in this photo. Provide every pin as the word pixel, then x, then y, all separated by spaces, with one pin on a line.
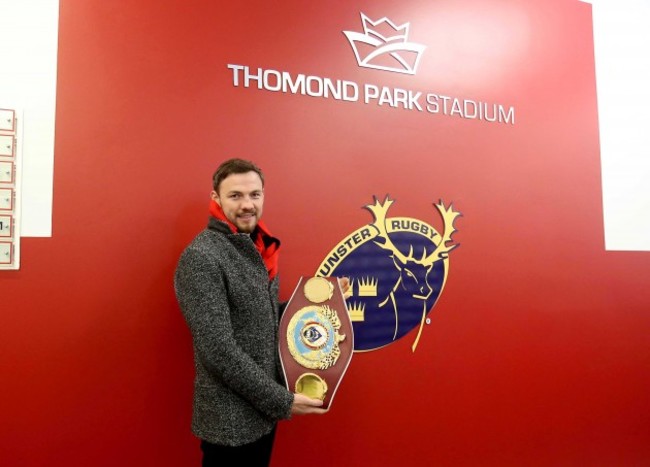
pixel 231 308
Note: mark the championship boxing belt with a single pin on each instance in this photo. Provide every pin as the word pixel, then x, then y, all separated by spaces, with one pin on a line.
pixel 316 338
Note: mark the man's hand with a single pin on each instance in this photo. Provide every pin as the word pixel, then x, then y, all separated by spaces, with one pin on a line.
pixel 344 282
pixel 303 405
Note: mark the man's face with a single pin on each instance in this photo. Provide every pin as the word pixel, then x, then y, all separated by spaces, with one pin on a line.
pixel 241 196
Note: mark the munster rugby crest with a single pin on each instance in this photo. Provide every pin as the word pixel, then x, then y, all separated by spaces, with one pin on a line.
pixel 398 267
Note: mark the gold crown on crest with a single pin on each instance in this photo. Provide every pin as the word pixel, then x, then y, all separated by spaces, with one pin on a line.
pixel 357 311
pixel 367 287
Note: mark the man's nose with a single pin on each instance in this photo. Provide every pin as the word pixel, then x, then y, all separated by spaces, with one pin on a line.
pixel 247 203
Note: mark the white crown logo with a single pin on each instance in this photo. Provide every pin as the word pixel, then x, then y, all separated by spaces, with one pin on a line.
pixel 390 51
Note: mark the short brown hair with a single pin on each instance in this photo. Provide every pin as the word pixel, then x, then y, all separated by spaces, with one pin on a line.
pixel 234 166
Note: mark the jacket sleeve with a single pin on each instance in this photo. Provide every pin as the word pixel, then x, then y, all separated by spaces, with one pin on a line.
pixel 201 294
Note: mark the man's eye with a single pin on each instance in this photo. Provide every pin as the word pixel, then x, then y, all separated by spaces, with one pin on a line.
pixel 234 196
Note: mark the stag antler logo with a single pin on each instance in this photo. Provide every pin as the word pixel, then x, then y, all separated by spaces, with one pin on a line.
pixel 384 46
pixel 398 268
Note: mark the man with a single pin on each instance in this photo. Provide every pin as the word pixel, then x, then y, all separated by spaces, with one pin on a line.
pixel 227 286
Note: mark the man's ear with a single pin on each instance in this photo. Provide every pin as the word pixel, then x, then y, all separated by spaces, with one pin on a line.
pixel 215 196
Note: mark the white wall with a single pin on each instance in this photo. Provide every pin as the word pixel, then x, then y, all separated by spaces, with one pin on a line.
pixel 28 57
pixel 622 48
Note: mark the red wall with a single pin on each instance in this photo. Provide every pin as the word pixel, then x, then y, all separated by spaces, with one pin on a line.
pixel 537 353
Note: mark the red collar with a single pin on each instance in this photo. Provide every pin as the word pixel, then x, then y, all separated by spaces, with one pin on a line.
pixel 266 244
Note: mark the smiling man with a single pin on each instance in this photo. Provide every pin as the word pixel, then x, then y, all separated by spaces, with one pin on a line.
pixel 241 198
pixel 227 287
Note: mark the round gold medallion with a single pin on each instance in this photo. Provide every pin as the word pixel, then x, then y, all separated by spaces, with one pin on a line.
pixel 311 385
pixel 313 337
pixel 318 289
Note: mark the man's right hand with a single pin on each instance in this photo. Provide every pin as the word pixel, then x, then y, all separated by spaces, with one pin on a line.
pixel 303 405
